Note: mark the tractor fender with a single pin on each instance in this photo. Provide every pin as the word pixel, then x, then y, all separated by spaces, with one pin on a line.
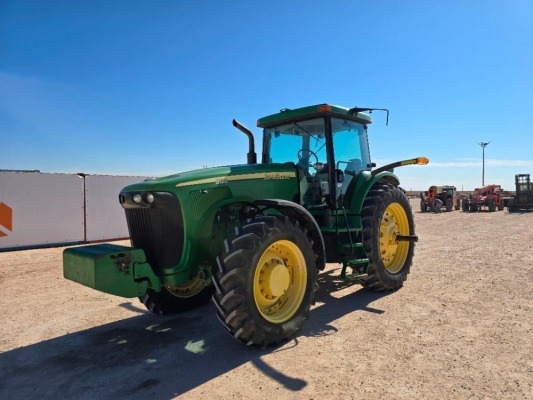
pixel 364 183
pixel 296 211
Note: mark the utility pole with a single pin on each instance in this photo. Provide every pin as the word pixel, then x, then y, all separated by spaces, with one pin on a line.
pixel 483 145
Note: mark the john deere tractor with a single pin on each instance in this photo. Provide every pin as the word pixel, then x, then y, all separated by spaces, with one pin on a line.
pixel 253 237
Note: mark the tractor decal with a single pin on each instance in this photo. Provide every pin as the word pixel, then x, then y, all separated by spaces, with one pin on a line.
pixel 244 177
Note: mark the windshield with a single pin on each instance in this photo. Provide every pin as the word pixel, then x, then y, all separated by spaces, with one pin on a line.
pixel 304 144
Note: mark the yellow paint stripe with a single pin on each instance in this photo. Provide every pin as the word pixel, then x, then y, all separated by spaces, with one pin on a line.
pixel 244 177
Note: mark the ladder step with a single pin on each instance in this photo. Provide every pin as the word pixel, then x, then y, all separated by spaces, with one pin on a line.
pixel 352 245
pixel 354 277
pixel 348 248
pixel 357 273
pixel 358 261
pixel 346 230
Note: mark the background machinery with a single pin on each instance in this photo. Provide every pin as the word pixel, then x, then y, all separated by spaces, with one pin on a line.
pixel 253 237
pixel 523 198
pixel 437 197
pixel 489 197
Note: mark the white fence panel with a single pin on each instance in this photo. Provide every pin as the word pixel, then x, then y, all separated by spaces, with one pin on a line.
pixel 40 209
pixel 105 216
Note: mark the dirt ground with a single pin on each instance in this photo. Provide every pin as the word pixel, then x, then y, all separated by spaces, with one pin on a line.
pixel 460 328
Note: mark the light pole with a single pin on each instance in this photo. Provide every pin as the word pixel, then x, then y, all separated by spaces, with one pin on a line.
pixel 483 145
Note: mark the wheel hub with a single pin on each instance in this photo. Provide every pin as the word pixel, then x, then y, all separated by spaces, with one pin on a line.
pixel 275 279
pixel 280 281
pixel 394 238
pixel 388 231
pixel 189 289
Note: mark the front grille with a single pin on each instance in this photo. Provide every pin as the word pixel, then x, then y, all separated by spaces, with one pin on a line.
pixel 201 200
pixel 156 228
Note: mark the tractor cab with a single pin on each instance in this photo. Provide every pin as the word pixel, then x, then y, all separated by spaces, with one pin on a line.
pixel 328 146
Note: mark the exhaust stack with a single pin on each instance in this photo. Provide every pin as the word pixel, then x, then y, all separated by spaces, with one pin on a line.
pixel 251 156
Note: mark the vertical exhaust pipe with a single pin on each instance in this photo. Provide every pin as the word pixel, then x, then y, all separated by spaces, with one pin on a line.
pixel 251 156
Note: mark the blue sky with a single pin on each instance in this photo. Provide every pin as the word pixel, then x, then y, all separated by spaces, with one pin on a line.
pixel 150 88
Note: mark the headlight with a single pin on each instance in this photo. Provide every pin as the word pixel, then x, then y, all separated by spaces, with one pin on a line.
pixel 137 198
pixel 150 198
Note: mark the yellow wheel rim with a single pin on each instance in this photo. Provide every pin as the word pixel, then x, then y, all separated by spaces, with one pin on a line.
pixel 189 289
pixel 280 281
pixel 393 223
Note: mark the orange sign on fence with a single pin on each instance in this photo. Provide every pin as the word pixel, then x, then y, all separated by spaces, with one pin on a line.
pixel 6 219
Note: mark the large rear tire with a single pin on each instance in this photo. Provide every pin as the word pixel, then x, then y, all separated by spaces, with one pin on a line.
pixel 266 281
pixel 174 300
pixel 387 213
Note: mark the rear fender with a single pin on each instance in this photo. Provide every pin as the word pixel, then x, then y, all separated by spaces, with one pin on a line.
pixel 362 185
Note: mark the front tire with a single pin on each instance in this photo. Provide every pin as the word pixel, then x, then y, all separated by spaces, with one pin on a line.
pixel 437 206
pixel 449 205
pixel 175 300
pixel 387 213
pixel 266 281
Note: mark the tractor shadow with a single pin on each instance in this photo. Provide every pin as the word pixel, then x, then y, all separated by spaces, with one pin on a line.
pixel 158 357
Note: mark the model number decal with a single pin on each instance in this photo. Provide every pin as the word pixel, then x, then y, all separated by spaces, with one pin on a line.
pixel 277 176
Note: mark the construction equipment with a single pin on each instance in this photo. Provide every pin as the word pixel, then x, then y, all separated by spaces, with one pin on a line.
pixel 437 197
pixel 523 198
pixel 254 237
pixel 488 197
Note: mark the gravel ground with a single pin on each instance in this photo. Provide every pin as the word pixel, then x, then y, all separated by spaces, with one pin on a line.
pixel 461 327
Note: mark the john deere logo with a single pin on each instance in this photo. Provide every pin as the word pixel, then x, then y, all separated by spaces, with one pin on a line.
pixel 6 219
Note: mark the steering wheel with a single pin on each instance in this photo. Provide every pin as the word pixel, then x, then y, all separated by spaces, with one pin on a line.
pixel 310 152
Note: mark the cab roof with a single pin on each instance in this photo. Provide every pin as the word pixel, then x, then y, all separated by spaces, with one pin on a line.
pixel 320 110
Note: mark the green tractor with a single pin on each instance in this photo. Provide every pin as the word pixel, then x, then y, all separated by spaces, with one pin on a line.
pixel 253 237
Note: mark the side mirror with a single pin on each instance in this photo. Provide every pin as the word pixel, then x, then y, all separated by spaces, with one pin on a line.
pixel 340 175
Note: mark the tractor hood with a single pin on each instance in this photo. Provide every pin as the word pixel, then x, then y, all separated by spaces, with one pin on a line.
pixel 218 176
